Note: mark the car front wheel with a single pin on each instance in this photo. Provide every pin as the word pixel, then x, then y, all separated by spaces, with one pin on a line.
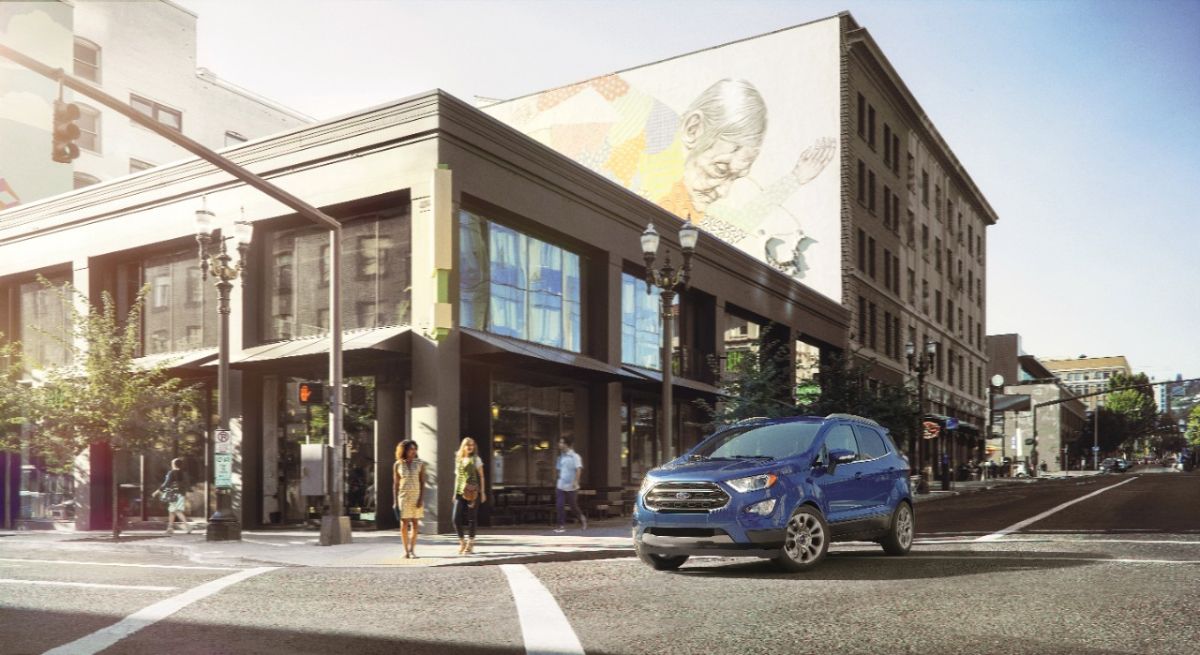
pixel 806 540
pixel 661 562
pixel 899 537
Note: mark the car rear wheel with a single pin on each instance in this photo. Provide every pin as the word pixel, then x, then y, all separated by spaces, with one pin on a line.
pixel 899 537
pixel 661 562
pixel 806 540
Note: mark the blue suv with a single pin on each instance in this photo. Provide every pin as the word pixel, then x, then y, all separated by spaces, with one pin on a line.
pixel 777 488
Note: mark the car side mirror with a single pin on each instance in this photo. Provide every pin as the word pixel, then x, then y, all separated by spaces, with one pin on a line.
pixel 839 456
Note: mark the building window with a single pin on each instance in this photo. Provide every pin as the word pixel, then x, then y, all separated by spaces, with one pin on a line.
pixel 862 181
pixel 871 126
pixel 937 254
pixel 862 320
pixel 895 154
pixel 937 305
pixel 527 422
pixel 887 145
pixel 862 115
pixel 887 207
pixel 137 165
pixel 925 188
pixel 871 191
pixel 887 269
pixel 871 257
pixel 887 333
pixel 862 250
pixel 233 138
pixel 518 286
pixel 45 324
pixel 172 118
pixel 83 179
pixel 375 249
pixel 89 128
pixel 912 287
pixel 87 60
pixel 871 328
pixel 641 324
pixel 181 310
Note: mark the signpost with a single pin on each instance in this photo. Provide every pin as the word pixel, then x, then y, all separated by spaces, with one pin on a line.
pixel 223 458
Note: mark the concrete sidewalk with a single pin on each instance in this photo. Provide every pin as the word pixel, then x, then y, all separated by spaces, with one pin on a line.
pixel 610 538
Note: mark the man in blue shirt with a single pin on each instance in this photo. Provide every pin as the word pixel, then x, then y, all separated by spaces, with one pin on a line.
pixel 570 472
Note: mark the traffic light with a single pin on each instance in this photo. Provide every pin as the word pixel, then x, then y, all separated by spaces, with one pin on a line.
pixel 64 149
pixel 310 393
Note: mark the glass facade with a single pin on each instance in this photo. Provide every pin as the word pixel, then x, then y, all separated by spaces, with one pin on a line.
pixel 375 276
pixel 641 325
pixel 181 308
pixel 527 422
pixel 517 286
pixel 45 323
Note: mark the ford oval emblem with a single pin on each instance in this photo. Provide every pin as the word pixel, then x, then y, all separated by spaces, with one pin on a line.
pixel 683 495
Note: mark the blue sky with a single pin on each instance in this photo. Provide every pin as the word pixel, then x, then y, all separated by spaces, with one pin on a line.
pixel 1079 121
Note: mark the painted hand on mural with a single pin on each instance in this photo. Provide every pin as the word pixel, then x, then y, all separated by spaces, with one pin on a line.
pixel 814 159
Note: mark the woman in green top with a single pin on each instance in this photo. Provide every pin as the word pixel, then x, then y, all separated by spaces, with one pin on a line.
pixel 468 493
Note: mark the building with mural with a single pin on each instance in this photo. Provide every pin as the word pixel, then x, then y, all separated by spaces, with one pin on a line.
pixel 144 52
pixel 804 149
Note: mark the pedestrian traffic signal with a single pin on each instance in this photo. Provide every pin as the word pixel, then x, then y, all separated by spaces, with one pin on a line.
pixel 64 149
pixel 311 393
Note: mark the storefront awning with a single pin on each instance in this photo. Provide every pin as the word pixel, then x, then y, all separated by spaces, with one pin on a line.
pixel 387 339
pixel 189 359
pixel 651 375
pixel 485 346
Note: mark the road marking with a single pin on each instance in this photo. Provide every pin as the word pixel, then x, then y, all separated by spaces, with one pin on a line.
pixel 264 543
pixel 87 585
pixel 140 566
pixel 1100 560
pixel 1017 526
pixel 543 625
pixel 105 638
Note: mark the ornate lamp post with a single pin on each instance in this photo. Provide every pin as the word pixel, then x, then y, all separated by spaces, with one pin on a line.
pixel 215 259
pixel 669 281
pixel 920 364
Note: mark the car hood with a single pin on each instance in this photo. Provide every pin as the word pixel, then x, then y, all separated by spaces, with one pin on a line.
pixel 712 469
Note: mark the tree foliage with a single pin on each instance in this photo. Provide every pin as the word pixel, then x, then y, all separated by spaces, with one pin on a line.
pixel 1135 411
pixel 14 396
pixel 103 396
pixel 1192 431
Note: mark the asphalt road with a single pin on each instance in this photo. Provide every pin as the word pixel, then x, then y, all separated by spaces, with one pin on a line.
pixel 1116 572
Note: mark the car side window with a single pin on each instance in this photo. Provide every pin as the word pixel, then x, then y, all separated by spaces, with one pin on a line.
pixel 840 437
pixel 870 442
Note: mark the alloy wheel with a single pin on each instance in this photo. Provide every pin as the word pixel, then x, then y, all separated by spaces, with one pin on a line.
pixel 805 538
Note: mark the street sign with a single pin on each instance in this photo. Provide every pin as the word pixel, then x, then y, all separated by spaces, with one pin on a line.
pixel 223 442
pixel 951 423
pixel 223 467
pixel 1095 449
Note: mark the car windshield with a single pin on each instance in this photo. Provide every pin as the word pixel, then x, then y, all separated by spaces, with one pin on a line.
pixel 766 441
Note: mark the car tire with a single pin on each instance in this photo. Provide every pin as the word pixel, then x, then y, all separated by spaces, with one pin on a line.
pixel 805 541
pixel 661 562
pixel 899 537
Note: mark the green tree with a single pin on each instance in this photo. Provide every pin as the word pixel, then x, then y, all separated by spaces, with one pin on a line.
pixel 103 397
pixel 1193 426
pixel 1135 409
pixel 845 387
pixel 756 383
pixel 14 396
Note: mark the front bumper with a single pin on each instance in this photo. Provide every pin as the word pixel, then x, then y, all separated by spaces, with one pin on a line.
pixel 730 530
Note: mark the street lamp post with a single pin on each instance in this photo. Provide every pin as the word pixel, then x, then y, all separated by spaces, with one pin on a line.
pixel 997 382
pixel 669 281
pixel 215 259
pixel 920 364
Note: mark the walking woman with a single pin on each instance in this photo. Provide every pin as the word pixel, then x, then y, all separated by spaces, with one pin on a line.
pixel 408 487
pixel 468 494
pixel 172 491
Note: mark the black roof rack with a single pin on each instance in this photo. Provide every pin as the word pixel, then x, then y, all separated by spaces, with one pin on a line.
pixel 856 418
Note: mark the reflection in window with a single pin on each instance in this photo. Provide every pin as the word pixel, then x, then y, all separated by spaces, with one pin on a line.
pixel 741 341
pixel 374 275
pixel 181 309
pixel 641 324
pixel 526 425
pixel 518 286
pixel 45 324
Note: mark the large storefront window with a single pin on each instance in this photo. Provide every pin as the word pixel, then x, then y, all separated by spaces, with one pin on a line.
pixel 641 324
pixel 375 276
pixel 518 286
pixel 526 425
pixel 741 341
pixel 180 311
pixel 45 323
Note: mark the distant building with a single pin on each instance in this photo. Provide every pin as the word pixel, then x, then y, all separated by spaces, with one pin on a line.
pixel 1059 425
pixel 141 52
pixel 1086 375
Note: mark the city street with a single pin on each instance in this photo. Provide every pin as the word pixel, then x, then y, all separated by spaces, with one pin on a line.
pixel 1112 566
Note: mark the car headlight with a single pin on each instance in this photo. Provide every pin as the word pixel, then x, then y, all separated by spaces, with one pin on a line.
pixel 647 482
pixel 762 508
pixel 753 483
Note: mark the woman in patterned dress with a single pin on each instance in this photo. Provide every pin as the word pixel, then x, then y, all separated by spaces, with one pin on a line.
pixel 172 491
pixel 408 486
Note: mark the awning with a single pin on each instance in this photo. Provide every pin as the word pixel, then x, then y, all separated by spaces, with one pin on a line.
pixel 484 346
pixel 188 359
pixel 387 339
pixel 649 374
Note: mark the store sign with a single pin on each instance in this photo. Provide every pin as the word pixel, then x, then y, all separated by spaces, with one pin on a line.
pixel 931 429
pixel 223 468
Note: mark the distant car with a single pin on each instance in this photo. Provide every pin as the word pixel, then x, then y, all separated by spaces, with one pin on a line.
pixel 1111 465
pixel 1124 464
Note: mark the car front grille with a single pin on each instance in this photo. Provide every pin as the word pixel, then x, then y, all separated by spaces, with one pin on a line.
pixel 685 497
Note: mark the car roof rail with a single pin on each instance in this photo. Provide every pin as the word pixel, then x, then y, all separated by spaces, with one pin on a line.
pixel 752 419
pixel 856 418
